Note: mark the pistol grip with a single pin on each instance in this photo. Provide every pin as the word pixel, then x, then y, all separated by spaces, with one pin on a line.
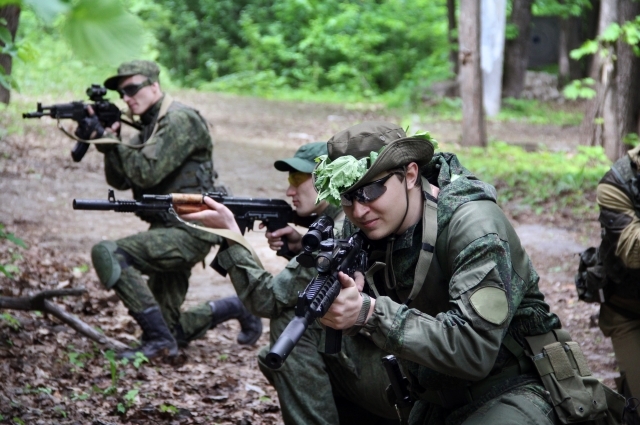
pixel 285 251
pixel 78 151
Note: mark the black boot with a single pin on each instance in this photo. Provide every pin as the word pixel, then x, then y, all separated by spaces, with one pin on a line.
pixel 157 339
pixel 232 308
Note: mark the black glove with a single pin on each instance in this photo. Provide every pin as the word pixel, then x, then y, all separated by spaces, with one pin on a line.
pixel 89 128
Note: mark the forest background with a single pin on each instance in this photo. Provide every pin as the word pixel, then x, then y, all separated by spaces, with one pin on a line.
pixel 364 59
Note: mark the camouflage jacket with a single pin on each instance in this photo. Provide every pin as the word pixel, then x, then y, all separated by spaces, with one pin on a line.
pixel 452 333
pixel 177 158
pixel 264 294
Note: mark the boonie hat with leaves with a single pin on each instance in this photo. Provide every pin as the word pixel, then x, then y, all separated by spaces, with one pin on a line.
pixel 360 153
pixel 143 67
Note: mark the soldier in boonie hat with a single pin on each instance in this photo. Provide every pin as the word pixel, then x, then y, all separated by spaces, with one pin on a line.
pixel 357 155
pixel 450 289
pixel 142 67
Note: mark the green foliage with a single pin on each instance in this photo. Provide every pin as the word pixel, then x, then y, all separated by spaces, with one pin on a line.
pixel 128 400
pixel 11 321
pixel 258 46
pixel 103 31
pixel 562 8
pixel 580 89
pixel 168 408
pixel 521 110
pixel 10 269
pixel 535 178
pixel 631 140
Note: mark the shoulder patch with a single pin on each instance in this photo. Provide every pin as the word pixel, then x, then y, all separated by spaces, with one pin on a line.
pixel 491 304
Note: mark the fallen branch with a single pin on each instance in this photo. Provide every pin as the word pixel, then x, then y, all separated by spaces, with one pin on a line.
pixel 40 302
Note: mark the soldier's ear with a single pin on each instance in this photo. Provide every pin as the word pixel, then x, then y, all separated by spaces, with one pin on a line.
pixel 412 175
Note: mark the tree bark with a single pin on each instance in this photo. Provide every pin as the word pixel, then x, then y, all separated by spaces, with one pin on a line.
pixel 516 54
pixel 599 126
pixel 628 67
pixel 40 302
pixel 473 120
pixel 453 39
pixel 12 15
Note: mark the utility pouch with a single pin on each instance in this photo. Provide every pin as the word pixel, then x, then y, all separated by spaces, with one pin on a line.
pixel 577 396
pixel 590 280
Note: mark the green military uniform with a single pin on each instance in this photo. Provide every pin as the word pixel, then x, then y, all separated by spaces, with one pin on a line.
pixel 177 159
pixel 175 156
pixel 618 196
pixel 447 338
pixel 309 381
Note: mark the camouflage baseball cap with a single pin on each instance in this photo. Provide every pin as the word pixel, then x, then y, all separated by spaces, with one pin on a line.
pixel 362 139
pixel 143 67
pixel 304 158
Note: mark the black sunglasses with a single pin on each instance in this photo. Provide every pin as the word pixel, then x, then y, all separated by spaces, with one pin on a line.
pixel 132 89
pixel 367 193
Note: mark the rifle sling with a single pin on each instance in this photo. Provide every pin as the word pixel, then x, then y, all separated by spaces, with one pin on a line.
pixel 429 234
pixel 225 233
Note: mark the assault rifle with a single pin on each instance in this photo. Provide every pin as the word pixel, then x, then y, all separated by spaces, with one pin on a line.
pixel 274 213
pixel 107 113
pixel 334 255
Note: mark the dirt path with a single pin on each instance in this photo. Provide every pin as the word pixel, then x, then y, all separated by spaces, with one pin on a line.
pixel 38 180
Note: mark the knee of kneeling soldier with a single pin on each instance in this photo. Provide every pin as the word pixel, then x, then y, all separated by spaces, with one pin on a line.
pixel 109 261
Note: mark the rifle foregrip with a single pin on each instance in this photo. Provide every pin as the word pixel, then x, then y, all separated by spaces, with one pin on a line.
pixel 286 342
pixel 187 203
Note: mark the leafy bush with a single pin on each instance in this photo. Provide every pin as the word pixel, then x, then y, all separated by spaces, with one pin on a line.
pixel 363 46
pixel 535 178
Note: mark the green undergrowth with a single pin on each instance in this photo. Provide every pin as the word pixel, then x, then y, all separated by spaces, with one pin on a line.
pixel 529 111
pixel 544 180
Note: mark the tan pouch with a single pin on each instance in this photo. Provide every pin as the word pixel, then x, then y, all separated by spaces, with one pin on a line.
pixel 577 396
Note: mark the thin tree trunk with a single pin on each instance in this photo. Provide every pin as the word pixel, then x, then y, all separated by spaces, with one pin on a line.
pixel 453 39
pixel 473 121
pixel 628 68
pixel 564 68
pixel 516 54
pixel 599 126
pixel 12 15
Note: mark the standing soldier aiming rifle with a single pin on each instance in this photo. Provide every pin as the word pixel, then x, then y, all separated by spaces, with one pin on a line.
pixel 172 153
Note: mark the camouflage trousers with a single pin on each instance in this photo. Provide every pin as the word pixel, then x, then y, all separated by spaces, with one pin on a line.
pixel 526 404
pixel 166 256
pixel 625 336
pixel 317 388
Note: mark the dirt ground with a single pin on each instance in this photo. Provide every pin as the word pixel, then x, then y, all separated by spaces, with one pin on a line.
pixel 218 380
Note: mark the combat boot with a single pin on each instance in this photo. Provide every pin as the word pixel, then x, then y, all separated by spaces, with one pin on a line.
pixel 232 308
pixel 157 339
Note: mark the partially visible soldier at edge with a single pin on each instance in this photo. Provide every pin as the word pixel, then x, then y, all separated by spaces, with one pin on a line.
pixel 457 298
pixel 177 157
pixel 615 269
pixel 313 387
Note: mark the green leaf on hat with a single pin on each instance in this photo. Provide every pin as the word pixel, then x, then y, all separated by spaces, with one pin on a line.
pixel 335 177
pixel 428 137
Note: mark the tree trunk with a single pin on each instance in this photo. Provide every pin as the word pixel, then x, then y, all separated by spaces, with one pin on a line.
pixel 473 122
pixel 599 126
pixel 453 39
pixel 628 67
pixel 516 54
pixel 11 14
